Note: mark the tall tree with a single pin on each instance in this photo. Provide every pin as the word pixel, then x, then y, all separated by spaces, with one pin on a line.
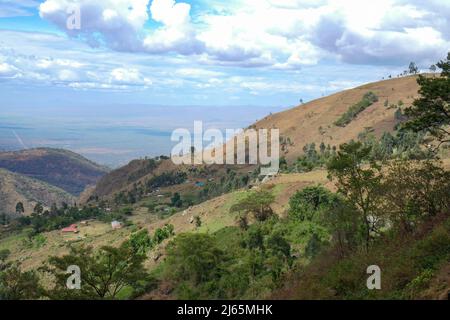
pixel 431 111
pixel 19 208
pixel 257 203
pixel 413 69
pixel 16 284
pixel 38 208
pixel 103 273
pixel 358 182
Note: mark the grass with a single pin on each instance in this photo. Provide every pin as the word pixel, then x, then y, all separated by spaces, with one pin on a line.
pixel 368 99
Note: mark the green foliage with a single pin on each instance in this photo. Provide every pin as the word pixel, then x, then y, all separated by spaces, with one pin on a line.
pixel 4 254
pixel 258 203
pixel 230 182
pixel 414 191
pixel 39 240
pixel 312 158
pixel 103 273
pixel 304 204
pixel 198 221
pixel 38 209
pixel 359 183
pixel 166 179
pixel 431 111
pixel 62 217
pixel 140 242
pixel 193 261
pixel 19 285
pixel 19 208
pixel 368 99
pixel 176 200
pixel 404 144
pixel 163 233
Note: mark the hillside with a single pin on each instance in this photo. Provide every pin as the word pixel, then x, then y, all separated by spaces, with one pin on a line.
pixel 265 257
pixel 61 168
pixel 314 121
pixel 307 123
pixel 19 188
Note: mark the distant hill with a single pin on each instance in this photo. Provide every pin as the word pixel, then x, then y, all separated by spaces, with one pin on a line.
pixel 19 188
pixel 315 121
pixel 61 168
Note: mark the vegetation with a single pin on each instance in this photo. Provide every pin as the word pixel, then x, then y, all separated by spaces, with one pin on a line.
pixel 391 208
pixel 368 99
pixel 257 203
pixel 104 273
pixel 431 112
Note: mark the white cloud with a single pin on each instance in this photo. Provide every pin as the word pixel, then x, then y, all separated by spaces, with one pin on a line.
pixel 7 70
pixel 198 73
pixel 118 23
pixel 286 34
pixel 177 34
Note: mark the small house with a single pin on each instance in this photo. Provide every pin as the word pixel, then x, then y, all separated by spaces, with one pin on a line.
pixel 116 225
pixel 73 228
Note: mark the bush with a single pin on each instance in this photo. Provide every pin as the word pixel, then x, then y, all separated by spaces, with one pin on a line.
pixel 304 204
pixel 368 99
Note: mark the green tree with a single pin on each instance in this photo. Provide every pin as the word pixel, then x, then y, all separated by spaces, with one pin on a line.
pixel 359 183
pixel 198 221
pixel 414 191
pixel 431 111
pixel 38 209
pixel 16 284
pixel 103 273
pixel 19 208
pixel 305 203
pixel 257 203
pixel 140 242
pixel 176 200
pixel 193 260
pixel 413 69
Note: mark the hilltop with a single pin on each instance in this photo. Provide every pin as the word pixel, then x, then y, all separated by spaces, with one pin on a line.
pixel 61 168
pixel 314 122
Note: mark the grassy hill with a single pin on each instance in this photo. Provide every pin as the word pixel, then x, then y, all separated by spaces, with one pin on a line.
pixel 61 168
pixel 304 124
pixel 315 121
pixel 16 187
pixel 144 189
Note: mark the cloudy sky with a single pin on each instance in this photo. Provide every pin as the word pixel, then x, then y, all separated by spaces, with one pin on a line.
pixel 187 52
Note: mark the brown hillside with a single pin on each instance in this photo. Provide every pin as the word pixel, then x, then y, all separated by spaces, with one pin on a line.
pixel 314 121
pixel 311 122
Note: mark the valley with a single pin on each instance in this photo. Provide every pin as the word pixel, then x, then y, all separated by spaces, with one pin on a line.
pixel 241 235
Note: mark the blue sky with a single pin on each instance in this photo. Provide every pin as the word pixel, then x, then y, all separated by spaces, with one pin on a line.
pixel 166 52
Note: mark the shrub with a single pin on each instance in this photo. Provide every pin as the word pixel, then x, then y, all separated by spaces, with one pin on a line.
pixel 368 99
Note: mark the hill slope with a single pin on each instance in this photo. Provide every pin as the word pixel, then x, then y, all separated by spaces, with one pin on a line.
pixel 16 187
pixel 61 168
pixel 314 121
pixel 311 122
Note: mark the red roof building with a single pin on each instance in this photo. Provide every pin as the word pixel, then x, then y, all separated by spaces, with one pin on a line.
pixel 72 228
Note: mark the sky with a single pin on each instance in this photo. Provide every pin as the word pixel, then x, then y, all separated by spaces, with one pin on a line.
pixel 209 53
